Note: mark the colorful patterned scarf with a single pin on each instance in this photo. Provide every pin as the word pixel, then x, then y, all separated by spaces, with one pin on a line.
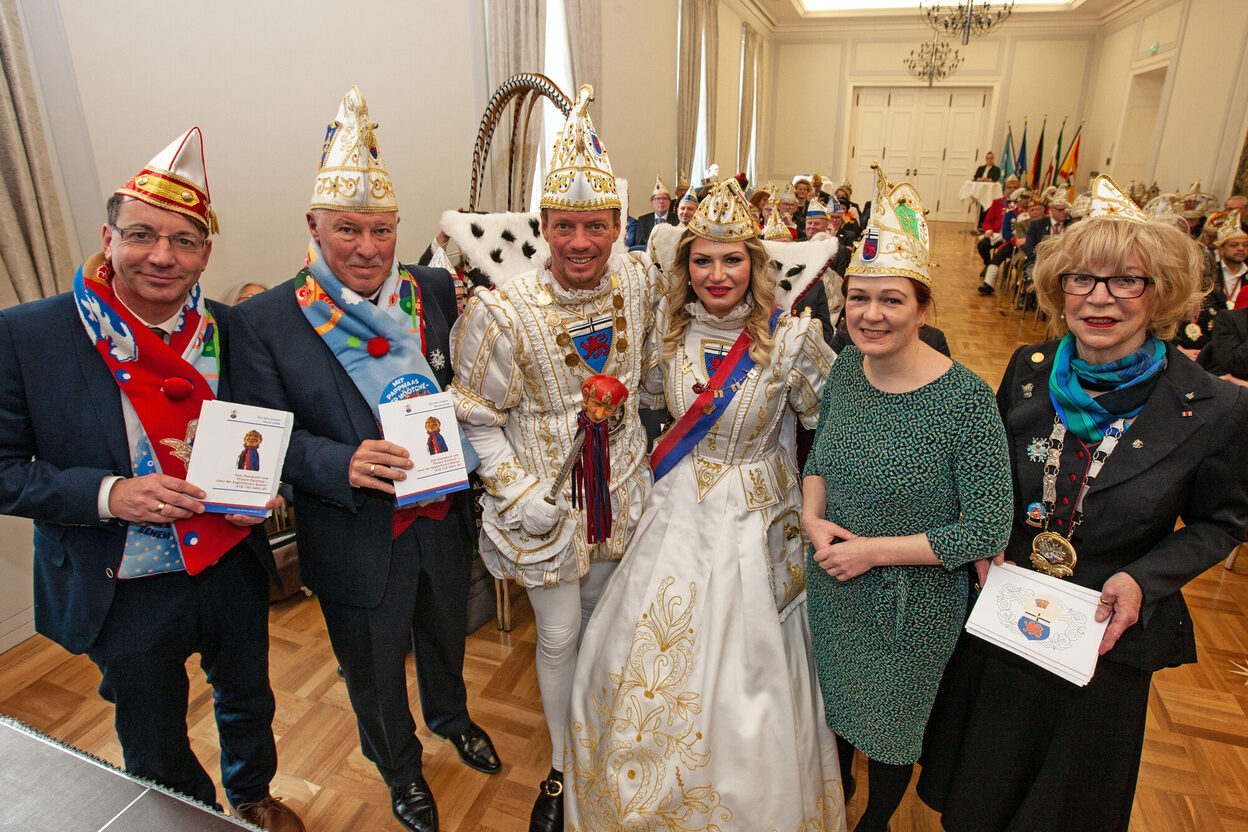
pixel 164 389
pixel 381 346
pixel 1129 381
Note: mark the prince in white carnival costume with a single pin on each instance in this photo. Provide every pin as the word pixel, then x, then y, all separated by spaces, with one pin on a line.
pixel 521 353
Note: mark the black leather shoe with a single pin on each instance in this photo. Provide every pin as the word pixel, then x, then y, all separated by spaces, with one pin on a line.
pixel 548 810
pixel 985 289
pixel 413 805
pixel 476 750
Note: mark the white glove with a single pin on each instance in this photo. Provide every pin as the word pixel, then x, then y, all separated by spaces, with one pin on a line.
pixel 537 516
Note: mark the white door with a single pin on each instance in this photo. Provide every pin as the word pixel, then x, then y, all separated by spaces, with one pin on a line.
pixel 927 136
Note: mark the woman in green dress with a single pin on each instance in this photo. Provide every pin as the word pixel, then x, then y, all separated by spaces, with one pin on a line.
pixel 907 482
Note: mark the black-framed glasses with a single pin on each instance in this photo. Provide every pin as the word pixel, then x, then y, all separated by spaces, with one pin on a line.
pixel 1123 286
pixel 137 235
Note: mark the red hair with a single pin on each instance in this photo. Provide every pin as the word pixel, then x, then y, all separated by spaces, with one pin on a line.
pixel 604 388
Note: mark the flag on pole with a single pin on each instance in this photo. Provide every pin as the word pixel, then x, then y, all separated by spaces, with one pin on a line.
pixel 1007 155
pixel 1049 175
pixel 1069 170
pixel 1020 164
pixel 1035 160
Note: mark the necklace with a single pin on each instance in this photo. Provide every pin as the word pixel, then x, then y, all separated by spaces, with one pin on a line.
pixel 594 342
pixel 1051 553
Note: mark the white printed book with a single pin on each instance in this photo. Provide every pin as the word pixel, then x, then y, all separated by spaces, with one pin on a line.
pixel 1046 620
pixel 426 427
pixel 237 456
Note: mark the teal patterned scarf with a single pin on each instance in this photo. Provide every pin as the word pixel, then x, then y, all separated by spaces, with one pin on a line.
pixel 1128 383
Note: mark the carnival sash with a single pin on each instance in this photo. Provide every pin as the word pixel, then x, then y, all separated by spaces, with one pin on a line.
pixel 382 346
pixel 709 405
pixel 164 389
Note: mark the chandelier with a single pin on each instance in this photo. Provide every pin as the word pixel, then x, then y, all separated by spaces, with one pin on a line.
pixel 934 61
pixel 968 18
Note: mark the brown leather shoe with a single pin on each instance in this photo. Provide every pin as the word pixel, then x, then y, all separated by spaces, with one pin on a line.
pixel 271 814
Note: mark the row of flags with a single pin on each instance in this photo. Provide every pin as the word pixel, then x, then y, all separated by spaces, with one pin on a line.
pixel 1062 170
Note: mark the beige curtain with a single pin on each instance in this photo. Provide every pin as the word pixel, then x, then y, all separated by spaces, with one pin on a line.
pixel 515 42
pixel 745 123
pixel 710 26
pixel 585 46
pixel 35 258
pixel 688 84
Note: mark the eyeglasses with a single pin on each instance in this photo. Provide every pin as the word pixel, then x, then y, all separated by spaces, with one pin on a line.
pixel 1119 285
pixel 140 237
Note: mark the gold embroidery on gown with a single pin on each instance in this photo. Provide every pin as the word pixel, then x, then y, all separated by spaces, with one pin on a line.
pixel 650 718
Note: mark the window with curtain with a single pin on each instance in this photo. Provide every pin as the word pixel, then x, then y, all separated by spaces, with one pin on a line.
pixel 557 66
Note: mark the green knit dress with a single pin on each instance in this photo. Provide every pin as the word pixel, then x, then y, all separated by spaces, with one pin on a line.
pixel 931 460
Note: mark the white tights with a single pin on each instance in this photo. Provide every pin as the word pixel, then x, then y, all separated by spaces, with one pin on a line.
pixel 561 613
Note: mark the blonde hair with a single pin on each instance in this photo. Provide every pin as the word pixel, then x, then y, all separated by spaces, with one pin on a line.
pixel 1171 258
pixel 762 290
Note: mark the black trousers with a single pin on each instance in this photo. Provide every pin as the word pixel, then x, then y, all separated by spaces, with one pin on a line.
pixel 424 609
pixel 154 625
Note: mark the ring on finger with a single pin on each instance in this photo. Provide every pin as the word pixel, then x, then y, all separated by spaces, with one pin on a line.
pixel 1105 602
pixel 160 507
pixel 371 468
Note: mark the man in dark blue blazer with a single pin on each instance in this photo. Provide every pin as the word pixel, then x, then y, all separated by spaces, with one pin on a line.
pixel 388 580
pixel 117 570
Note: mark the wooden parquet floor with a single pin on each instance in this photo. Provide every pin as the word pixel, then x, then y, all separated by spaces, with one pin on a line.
pixel 1194 775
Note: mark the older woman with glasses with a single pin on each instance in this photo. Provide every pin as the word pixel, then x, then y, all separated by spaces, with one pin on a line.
pixel 1142 437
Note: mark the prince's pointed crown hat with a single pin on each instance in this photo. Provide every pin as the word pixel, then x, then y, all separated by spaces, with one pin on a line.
pixel 895 242
pixel 580 177
pixel 175 181
pixel 723 215
pixel 352 175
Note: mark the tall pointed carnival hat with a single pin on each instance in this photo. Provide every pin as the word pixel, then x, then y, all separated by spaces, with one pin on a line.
pixel 659 188
pixel 352 175
pixel 580 177
pixel 895 241
pixel 723 215
pixel 1231 228
pixel 175 181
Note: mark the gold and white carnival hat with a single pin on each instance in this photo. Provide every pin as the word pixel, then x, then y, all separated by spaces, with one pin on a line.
pixel 682 181
pixel 659 188
pixel 1231 228
pixel 775 229
pixel 1108 201
pixel 352 175
pixel 1197 203
pixel 580 177
pixel 1165 207
pixel 175 181
pixel 724 216
pixel 895 242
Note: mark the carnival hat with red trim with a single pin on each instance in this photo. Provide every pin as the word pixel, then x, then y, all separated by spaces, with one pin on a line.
pixel 175 181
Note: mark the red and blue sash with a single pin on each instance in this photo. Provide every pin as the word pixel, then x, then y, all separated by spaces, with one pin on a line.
pixel 708 406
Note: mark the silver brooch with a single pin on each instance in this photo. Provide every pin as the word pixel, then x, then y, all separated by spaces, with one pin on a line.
pixel 1139 443
pixel 1028 390
pixel 1189 396
pixel 436 359
pixel 1038 450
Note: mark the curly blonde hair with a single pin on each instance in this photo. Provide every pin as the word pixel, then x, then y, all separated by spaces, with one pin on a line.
pixel 762 290
pixel 1171 258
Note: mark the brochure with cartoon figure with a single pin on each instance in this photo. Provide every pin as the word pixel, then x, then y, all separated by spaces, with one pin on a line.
pixel 237 456
pixel 425 426
pixel 1046 620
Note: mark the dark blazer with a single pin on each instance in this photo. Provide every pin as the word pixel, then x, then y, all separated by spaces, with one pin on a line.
pixel 1182 457
pixel 993 173
pixel 1230 345
pixel 61 432
pixel 645 224
pixel 279 361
